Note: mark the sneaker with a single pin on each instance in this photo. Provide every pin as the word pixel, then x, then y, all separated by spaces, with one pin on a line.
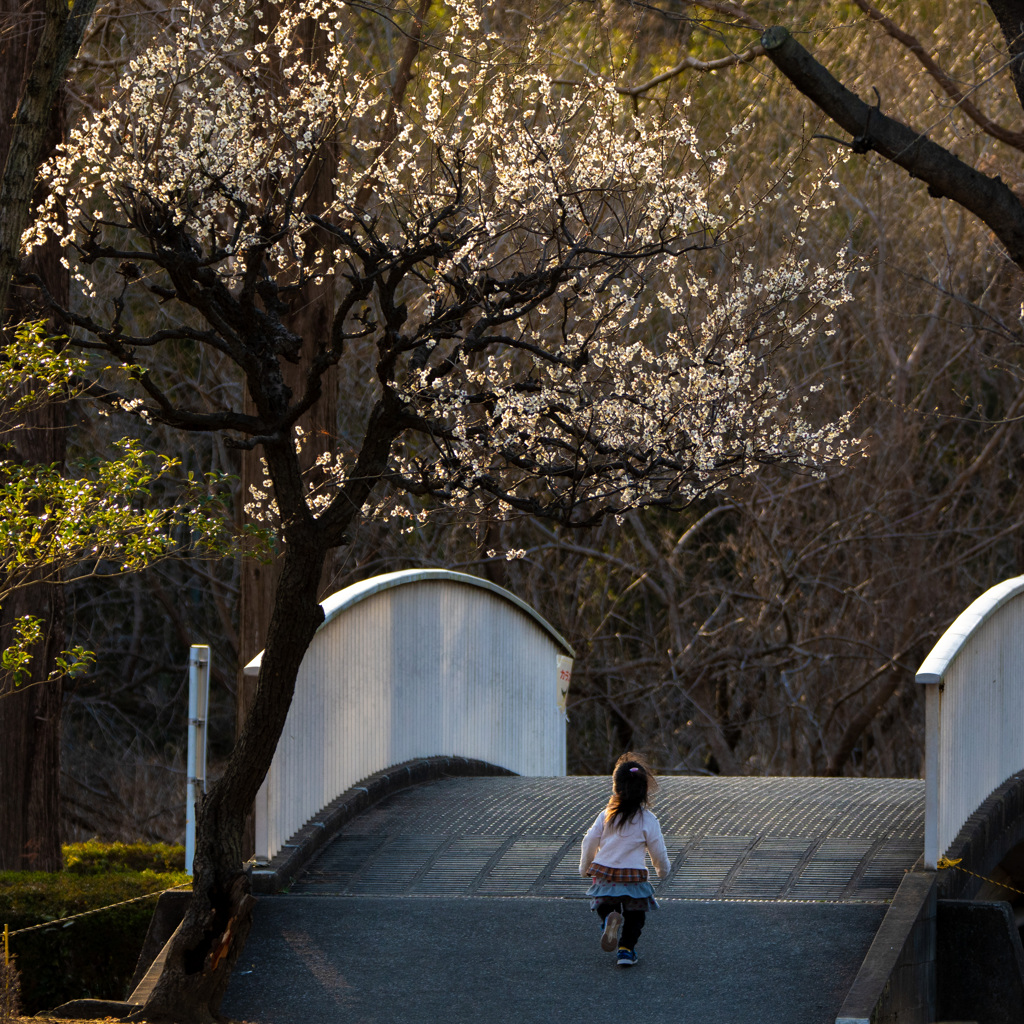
pixel 627 957
pixel 610 935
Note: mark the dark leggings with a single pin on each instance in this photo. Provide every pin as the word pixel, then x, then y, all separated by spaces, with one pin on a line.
pixel 632 922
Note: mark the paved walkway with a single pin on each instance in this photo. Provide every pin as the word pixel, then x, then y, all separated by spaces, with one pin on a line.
pixel 460 901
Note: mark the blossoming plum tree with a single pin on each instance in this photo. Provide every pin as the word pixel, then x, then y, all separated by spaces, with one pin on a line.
pixel 516 263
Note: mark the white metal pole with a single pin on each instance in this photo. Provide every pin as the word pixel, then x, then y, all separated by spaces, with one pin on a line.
pixel 932 778
pixel 198 701
pixel 201 654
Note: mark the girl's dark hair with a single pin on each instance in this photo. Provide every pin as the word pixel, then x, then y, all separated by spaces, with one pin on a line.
pixel 633 786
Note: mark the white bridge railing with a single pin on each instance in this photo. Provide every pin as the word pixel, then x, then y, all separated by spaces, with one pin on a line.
pixel 409 665
pixel 974 712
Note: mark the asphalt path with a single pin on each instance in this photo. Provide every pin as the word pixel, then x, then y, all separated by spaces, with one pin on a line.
pixel 407 960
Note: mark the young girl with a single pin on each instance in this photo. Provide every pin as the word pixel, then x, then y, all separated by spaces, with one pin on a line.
pixel 613 856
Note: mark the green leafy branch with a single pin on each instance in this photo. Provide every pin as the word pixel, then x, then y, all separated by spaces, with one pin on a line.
pixel 98 516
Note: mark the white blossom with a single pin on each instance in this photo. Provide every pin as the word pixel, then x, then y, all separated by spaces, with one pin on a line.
pixel 633 374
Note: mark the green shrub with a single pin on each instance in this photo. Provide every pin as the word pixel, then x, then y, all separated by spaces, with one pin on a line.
pixel 94 956
pixel 94 857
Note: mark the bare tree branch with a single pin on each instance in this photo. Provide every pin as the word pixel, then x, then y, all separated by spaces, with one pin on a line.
pixel 952 90
pixel 686 64
pixel 946 175
pixel 730 10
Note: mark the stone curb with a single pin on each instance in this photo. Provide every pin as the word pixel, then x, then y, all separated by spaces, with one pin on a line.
pixel 302 847
pixel 896 981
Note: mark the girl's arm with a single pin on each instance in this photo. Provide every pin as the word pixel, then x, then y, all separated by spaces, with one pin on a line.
pixel 656 845
pixel 591 843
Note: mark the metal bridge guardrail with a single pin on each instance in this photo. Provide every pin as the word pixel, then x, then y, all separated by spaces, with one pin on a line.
pixel 410 665
pixel 974 712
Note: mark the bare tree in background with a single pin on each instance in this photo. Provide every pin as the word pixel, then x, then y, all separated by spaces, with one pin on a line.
pixel 788 641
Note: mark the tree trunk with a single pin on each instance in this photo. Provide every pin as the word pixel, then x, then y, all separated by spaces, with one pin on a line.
pixel 30 715
pixel 31 124
pixel 30 752
pixel 311 321
pixel 213 933
pixel 33 62
pixel 256 584
pixel 258 581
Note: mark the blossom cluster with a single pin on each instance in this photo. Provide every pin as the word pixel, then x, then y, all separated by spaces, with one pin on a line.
pixel 523 255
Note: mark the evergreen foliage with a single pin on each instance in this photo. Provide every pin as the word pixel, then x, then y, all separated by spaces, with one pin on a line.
pixel 95 956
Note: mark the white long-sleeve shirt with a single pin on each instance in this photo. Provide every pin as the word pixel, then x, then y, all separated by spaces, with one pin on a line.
pixel 624 846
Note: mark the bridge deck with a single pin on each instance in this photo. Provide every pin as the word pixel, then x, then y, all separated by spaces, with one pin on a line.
pixel 777 889
pixel 840 840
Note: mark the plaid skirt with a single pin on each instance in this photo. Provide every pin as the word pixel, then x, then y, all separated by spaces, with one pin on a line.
pixel 628 886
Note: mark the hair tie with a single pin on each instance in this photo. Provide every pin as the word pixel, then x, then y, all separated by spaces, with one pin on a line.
pixel 634 769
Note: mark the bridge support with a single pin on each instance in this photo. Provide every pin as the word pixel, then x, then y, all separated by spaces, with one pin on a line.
pixel 980 962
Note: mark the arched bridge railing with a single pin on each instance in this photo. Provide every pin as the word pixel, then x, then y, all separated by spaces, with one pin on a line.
pixel 974 712
pixel 410 665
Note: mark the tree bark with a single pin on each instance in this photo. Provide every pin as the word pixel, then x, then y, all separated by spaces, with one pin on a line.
pixel 57 40
pixel 30 752
pixel 1010 15
pixel 37 41
pixel 945 175
pixel 258 580
pixel 256 584
pixel 215 927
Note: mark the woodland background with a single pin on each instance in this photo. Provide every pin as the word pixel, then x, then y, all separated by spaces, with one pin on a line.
pixel 773 631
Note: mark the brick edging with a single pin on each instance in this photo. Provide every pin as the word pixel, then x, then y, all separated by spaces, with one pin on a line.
pixel 986 838
pixel 316 833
